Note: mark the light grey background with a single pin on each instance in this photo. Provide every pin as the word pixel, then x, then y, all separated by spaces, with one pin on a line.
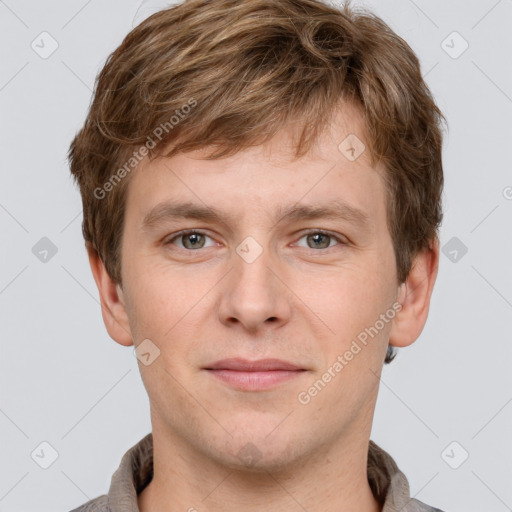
pixel 64 381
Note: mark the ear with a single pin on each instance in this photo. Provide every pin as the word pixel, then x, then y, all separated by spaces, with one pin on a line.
pixel 414 296
pixel 112 301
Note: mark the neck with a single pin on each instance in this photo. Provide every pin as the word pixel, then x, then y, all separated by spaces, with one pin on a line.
pixel 332 479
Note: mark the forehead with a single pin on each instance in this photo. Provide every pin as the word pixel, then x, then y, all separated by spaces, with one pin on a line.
pixel 335 176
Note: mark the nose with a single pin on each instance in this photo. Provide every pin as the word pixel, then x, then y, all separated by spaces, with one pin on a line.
pixel 254 295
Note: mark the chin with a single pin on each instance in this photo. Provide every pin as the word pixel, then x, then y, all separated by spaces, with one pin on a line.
pixel 257 452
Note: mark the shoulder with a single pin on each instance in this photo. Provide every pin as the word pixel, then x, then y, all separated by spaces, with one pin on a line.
pixel 99 504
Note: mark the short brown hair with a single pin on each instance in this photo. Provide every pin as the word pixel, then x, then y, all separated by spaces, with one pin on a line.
pixel 245 69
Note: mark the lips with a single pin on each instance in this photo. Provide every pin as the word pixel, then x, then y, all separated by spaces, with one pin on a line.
pixel 262 365
pixel 258 375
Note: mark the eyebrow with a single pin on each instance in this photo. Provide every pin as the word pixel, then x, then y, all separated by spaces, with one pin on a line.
pixel 335 210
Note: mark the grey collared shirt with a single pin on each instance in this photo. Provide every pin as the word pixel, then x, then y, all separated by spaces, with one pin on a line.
pixel 389 485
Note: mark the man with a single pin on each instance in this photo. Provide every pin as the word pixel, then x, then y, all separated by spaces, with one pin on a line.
pixel 261 185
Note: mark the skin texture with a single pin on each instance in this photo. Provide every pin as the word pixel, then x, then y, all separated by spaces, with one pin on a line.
pixel 297 301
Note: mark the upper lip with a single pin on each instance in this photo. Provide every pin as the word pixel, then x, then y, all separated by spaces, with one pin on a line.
pixel 244 365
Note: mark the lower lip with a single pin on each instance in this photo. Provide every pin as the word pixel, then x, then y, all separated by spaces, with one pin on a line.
pixel 255 381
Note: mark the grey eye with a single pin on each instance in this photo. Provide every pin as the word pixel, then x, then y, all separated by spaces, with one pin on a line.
pixel 193 240
pixel 319 240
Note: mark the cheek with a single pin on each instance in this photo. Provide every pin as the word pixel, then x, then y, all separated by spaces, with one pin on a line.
pixel 160 296
pixel 344 301
pixel 165 309
pixel 352 356
pixel 159 313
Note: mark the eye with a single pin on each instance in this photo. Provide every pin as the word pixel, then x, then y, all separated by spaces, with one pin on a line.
pixel 190 240
pixel 321 240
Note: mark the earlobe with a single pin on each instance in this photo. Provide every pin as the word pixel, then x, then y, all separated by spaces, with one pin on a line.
pixel 414 296
pixel 112 301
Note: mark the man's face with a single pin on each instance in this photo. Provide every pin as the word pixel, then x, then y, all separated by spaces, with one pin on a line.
pixel 258 284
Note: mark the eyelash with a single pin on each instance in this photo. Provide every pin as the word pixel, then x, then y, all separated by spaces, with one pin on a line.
pixel 310 232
